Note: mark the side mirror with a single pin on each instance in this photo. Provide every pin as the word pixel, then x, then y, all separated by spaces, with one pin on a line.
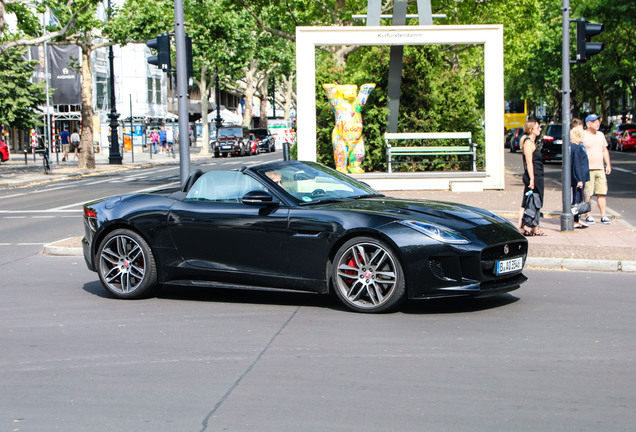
pixel 259 198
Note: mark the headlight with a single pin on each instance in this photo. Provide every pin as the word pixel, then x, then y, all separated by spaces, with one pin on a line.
pixel 437 232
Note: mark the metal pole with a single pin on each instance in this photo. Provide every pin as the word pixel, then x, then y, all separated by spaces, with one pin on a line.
pixel 567 219
pixel 132 144
pixel 273 97
pixel 395 69
pixel 217 99
pixel 47 136
pixel 114 157
pixel 182 88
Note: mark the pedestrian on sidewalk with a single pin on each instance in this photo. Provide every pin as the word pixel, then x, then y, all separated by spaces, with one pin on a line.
pixel 532 177
pixel 599 163
pixel 580 168
pixel 154 138
pixel 64 139
pixel 170 133
pixel 162 138
pixel 75 143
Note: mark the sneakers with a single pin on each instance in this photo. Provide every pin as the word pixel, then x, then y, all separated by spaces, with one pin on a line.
pixel 590 220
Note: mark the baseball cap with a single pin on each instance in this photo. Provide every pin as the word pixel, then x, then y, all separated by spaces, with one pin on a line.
pixel 591 117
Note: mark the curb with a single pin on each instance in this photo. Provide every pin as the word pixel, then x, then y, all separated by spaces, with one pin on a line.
pixel 65 247
pixel 581 264
pixel 59 249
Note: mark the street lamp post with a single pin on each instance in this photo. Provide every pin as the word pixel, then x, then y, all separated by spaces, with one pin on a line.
pixel 114 157
pixel 217 97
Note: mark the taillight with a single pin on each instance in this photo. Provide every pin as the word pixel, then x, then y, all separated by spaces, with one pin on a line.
pixel 548 138
pixel 90 213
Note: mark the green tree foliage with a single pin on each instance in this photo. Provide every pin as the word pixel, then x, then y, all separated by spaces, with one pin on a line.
pixel 19 97
pixel 608 77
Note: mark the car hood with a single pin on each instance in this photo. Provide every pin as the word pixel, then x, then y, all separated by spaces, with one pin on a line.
pixel 459 217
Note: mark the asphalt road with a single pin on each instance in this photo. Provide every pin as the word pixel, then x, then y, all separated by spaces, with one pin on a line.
pixel 621 196
pixel 36 215
pixel 556 355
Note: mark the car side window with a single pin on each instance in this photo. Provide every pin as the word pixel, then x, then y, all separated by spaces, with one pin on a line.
pixel 222 186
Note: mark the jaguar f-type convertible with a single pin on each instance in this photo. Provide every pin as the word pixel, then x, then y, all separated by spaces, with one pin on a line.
pixel 300 226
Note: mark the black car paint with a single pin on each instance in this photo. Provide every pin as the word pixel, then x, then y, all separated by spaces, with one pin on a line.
pixel 552 149
pixel 289 246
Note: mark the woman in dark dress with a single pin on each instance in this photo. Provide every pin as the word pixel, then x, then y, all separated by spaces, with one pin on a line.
pixel 580 169
pixel 532 175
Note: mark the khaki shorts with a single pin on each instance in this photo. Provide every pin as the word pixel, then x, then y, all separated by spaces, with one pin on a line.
pixel 66 147
pixel 597 184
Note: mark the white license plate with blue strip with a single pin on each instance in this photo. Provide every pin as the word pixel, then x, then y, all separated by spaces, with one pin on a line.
pixel 508 266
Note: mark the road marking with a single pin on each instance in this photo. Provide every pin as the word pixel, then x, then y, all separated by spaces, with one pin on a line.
pixel 30 244
pixel 623 170
pixel 150 189
pixel 98 182
pixel 35 192
pixel 36 211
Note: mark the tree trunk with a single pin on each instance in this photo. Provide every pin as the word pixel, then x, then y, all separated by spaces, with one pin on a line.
pixel 263 90
pixel 86 155
pixel 205 96
pixel 250 75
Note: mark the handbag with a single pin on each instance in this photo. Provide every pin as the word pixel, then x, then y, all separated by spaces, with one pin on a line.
pixel 580 208
pixel 532 212
pixel 582 203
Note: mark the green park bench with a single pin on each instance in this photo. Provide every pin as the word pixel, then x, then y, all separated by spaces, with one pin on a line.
pixel 460 150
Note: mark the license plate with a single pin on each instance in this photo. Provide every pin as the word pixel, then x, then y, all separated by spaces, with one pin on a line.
pixel 508 265
pixel 558 141
pixel 226 147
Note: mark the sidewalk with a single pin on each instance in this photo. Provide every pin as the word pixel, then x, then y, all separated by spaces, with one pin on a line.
pixel 599 248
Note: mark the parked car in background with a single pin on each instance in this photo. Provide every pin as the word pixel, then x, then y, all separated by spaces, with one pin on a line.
pixel 512 139
pixel 615 132
pixel 4 152
pixel 231 140
pixel 266 141
pixel 627 141
pixel 253 145
pixel 552 142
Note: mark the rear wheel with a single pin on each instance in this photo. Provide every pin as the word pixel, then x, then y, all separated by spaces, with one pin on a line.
pixel 367 276
pixel 126 265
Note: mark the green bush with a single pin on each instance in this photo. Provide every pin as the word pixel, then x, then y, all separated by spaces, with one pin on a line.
pixel 435 97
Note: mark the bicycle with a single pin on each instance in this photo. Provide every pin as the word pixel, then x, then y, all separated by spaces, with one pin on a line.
pixel 45 159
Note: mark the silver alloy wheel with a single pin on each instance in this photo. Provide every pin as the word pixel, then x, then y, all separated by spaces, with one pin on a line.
pixel 366 276
pixel 123 264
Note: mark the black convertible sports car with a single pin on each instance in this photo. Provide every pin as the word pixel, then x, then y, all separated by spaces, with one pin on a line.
pixel 300 226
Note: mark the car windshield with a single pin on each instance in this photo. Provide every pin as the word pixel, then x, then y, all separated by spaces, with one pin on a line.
pixel 260 133
pixel 313 183
pixel 230 132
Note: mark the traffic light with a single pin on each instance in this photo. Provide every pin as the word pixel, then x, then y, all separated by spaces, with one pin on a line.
pixel 162 44
pixel 584 32
pixel 190 69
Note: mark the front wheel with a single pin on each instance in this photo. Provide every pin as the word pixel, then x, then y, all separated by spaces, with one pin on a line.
pixel 367 276
pixel 126 265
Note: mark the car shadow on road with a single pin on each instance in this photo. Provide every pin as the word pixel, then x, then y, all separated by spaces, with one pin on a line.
pixel 262 297
pixel 457 305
